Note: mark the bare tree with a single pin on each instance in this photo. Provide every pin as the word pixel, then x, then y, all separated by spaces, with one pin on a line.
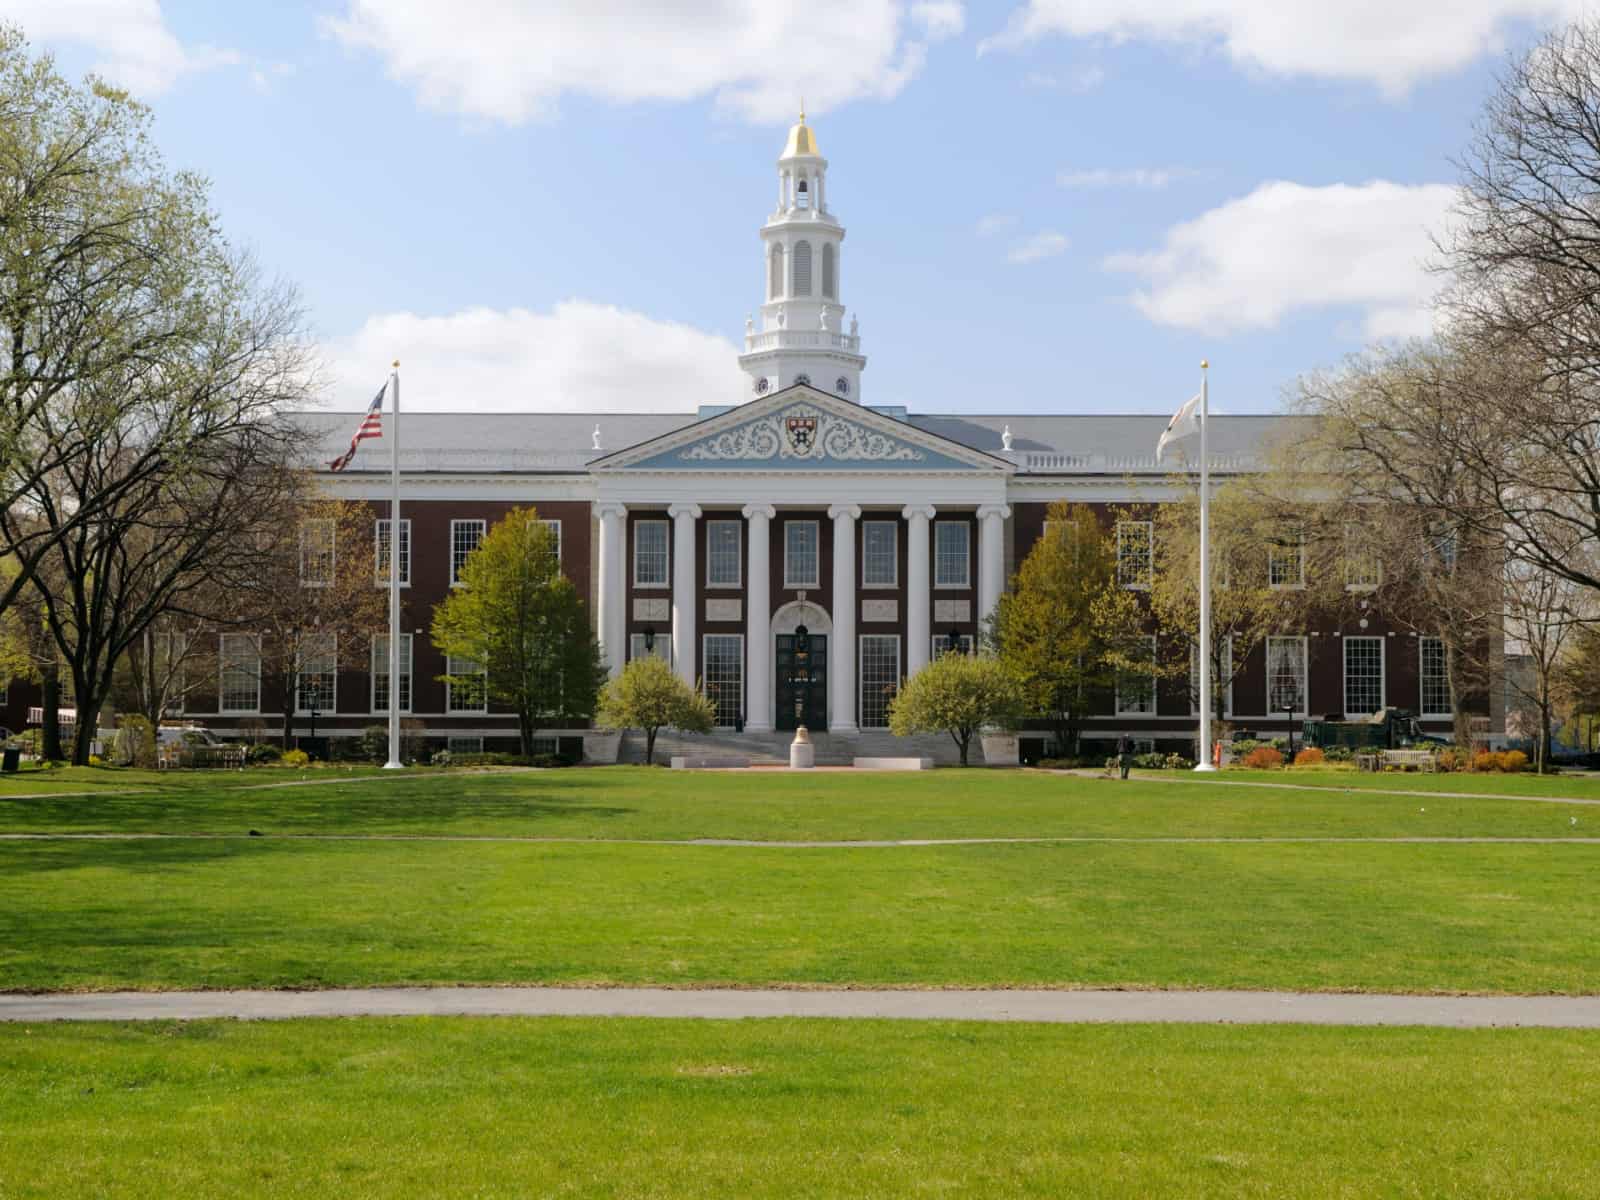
pixel 1544 614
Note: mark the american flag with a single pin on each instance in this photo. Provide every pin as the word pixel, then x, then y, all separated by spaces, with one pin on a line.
pixel 371 427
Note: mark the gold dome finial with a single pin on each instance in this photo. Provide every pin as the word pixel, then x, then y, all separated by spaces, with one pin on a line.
pixel 801 139
pixel 802 110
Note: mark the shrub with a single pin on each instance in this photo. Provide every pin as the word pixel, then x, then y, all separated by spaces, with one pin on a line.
pixel 135 742
pixel 262 753
pixel 295 758
pixel 441 758
pixel 96 761
pixel 1263 758
pixel 1449 759
pixel 1512 760
pixel 1338 754
pixel 1310 757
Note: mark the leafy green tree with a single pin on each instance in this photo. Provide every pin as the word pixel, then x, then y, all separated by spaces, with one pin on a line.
pixel 1043 628
pixel 958 694
pixel 649 696
pixel 523 622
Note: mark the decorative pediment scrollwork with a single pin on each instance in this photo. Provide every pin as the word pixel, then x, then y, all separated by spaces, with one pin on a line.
pixel 803 432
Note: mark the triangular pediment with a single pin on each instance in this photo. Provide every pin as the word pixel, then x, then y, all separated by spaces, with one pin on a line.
pixel 800 429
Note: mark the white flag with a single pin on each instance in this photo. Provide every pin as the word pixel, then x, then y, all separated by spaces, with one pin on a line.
pixel 1185 423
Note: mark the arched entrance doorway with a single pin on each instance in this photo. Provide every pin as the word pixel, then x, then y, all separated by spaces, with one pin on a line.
pixel 801 633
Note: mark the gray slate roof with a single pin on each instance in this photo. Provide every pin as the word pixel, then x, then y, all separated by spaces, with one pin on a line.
pixel 562 443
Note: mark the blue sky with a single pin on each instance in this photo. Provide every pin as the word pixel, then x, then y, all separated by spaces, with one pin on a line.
pixel 1060 205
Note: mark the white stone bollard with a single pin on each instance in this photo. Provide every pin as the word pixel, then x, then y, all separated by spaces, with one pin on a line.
pixel 802 754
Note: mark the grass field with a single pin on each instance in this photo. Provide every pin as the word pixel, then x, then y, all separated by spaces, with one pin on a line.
pixel 591 1108
pixel 237 911
pixel 636 802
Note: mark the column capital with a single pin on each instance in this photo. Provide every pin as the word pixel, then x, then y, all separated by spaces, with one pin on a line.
pixel 994 510
pixel 853 511
pixel 765 511
pixel 692 511
pixel 610 508
pixel 926 511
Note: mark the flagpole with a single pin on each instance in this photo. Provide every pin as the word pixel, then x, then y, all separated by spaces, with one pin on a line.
pixel 1203 761
pixel 394 762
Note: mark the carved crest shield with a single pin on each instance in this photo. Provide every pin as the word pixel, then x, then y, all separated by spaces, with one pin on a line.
pixel 802 434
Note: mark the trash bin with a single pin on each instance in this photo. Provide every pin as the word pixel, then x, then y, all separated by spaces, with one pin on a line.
pixel 11 760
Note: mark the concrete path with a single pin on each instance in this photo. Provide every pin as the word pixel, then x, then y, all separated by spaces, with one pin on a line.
pixel 1180 778
pixel 863 844
pixel 1458 1012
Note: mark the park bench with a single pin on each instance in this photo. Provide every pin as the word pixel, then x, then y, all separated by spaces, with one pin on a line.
pixel 1423 760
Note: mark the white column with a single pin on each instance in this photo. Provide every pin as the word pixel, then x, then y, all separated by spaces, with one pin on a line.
pixel 758 693
pixel 611 606
pixel 684 652
pixel 919 587
pixel 842 653
pixel 991 558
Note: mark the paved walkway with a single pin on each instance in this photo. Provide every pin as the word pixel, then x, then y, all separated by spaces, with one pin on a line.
pixel 1458 1012
pixel 1211 780
pixel 753 843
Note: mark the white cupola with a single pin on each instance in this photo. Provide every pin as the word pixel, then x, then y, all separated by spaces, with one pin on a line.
pixel 802 336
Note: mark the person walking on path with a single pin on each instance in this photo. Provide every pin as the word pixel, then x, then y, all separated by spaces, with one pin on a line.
pixel 1124 758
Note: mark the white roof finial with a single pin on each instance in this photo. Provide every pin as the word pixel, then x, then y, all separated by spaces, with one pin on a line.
pixel 597 437
pixel 1005 437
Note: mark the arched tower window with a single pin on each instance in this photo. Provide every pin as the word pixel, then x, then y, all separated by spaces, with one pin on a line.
pixel 775 274
pixel 802 195
pixel 802 269
pixel 830 274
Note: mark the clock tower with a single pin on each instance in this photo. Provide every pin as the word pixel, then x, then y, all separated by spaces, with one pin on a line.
pixel 802 336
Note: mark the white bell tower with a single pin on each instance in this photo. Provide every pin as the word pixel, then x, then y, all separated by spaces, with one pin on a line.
pixel 802 338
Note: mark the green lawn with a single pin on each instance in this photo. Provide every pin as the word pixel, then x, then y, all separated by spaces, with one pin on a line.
pixel 624 802
pixel 261 912
pixel 1584 785
pixel 591 1108
pixel 32 780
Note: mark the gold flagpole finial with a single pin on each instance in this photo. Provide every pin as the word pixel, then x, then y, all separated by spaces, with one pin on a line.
pixel 396 364
pixel 1204 365
pixel 802 110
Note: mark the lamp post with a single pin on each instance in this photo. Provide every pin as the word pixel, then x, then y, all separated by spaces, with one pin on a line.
pixel 1288 719
pixel 649 639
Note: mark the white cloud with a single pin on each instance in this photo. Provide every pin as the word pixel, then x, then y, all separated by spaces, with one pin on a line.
pixel 1079 79
pixel 1039 246
pixel 578 357
pixel 510 61
pixel 995 223
pixel 1149 178
pixel 1393 45
pixel 1286 247
pixel 133 45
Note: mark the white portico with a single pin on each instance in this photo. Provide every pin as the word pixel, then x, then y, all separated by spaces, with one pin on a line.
pixel 842 492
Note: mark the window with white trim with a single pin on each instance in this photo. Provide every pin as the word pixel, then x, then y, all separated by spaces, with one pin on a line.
pixel 380 536
pixel 380 672
pixel 724 676
pixel 880 677
pixel 464 539
pixel 1443 546
pixel 724 560
pixel 1136 690
pixel 316 553
pixel 801 554
pixel 1134 541
pixel 650 556
pixel 464 743
pixel 1363 569
pixel 952 554
pixel 1286 674
pixel 1435 678
pixel 239 670
pixel 880 550
pixel 1363 676
pixel 1286 563
pixel 467 688
pixel 554 526
pixel 316 682
pixel 660 647
pixel 939 645
pixel 1226 671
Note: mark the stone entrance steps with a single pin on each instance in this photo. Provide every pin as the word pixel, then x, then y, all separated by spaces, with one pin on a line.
pixel 772 749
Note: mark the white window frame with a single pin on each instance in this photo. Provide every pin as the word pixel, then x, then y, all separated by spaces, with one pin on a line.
pixel 303 657
pixel 464 743
pixel 1194 678
pixel 894 553
pixel 1305 675
pixel 553 524
pixel 222 674
pixel 407 673
pixel 459 561
pixel 1125 579
pixel 662 649
pixel 707 681
pixel 1344 674
pixel 1351 558
pixel 878 640
pixel 712 525
pixel 939 646
pixel 333 551
pixel 1155 698
pixel 965 583
pixel 1277 554
pixel 789 580
pixel 380 567
pixel 1423 710
pixel 450 707
pixel 665 527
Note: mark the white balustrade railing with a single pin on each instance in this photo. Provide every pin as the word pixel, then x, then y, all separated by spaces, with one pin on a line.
pixel 801 339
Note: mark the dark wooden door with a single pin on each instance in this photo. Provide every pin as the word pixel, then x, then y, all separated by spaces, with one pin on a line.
pixel 802 681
